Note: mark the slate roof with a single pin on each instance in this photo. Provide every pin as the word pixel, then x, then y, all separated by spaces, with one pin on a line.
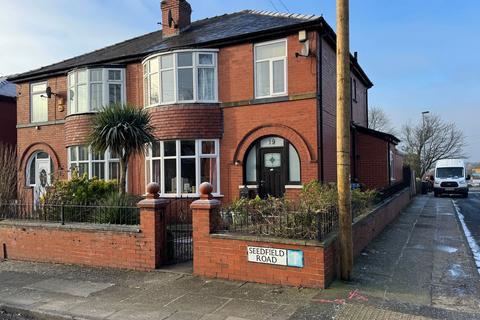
pixel 199 33
pixel 7 88
pixel 238 26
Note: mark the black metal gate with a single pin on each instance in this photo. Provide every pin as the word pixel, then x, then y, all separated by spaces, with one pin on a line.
pixel 179 230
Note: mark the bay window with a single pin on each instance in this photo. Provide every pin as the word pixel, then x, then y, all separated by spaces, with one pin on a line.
pixel 180 166
pixel 271 69
pixel 90 89
pixel 103 165
pixel 184 76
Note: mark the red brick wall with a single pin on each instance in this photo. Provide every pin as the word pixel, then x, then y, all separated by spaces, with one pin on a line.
pixel 294 121
pixel 366 229
pixel 217 256
pixel 359 106
pixel 236 70
pixel 181 14
pixel 372 161
pixel 194 121
pixel 329 96
pixel 77 129
pixel 115 249
pixel 227 259
pixel 8 130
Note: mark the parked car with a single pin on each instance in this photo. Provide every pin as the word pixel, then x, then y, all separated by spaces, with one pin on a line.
pixel 475 180
pixel 451 178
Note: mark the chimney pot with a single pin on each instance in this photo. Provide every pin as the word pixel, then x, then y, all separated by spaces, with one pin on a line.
pixel 176 16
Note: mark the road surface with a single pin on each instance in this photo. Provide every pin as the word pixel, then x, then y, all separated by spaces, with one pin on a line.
pixel 469 212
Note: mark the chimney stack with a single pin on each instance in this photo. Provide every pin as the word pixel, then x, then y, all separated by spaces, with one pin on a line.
pixel 176 16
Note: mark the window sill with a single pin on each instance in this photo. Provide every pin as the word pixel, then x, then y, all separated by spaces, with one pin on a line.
pixel 249 186
pixel 80 114
pixel 293 186
pixel 40 124
pixel 181 104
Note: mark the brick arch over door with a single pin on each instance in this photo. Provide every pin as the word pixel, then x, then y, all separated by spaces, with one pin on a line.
pixel 39 146
pixel 296 139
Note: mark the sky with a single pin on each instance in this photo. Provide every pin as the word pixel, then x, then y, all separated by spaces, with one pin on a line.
pixel 420 55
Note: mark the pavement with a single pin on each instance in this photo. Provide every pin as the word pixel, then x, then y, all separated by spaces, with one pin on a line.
pixel 419 267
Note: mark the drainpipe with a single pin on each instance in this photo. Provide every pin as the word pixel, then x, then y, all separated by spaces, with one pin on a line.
pixel 388 161
pixel 320 146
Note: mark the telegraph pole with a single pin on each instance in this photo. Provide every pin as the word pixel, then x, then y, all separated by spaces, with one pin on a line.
pixel 343 139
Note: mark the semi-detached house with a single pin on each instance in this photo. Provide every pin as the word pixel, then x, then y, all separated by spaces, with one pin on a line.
pixel 242 99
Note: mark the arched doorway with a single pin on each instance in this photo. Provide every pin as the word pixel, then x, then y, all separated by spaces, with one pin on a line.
pixel 271 163
pixel 39 173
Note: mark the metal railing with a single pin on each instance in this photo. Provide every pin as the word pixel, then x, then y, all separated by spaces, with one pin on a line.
pixel 70 213
pixel 293 224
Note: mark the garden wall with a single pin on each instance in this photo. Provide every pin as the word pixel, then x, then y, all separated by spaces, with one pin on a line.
pixel 367 227
pixel 128 247
pixel 226 255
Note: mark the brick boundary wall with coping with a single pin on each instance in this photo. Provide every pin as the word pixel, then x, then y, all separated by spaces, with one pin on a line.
pixel 126 247
pixel 225 255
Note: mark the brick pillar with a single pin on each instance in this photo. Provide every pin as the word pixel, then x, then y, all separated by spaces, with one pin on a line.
pixel 153 226
pixel 201 210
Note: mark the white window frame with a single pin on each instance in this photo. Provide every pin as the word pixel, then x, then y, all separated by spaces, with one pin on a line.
pixel 40 93
pixel 105 82
pixel 271 61
pixel 175 68
pixel 178 157
pixel 107 160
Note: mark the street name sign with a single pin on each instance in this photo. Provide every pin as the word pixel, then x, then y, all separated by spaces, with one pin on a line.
pixel 275 256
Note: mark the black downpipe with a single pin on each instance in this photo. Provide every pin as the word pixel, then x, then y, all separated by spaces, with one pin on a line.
pixel 320 156
pixel 389 162
pixel 354 152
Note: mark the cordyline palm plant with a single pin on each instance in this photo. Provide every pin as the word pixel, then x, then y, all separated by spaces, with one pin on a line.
pixel 125 130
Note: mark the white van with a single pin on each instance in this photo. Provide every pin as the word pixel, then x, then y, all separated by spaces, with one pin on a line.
pixel 450 178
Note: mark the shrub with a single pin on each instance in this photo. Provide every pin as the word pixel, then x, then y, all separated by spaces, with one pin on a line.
pixel 79 190
pixel 118 209
pixel 314 212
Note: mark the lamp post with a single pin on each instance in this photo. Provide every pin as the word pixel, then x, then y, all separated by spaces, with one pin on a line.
pixel 422 153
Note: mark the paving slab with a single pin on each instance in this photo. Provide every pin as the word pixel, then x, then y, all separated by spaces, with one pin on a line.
pixel 419 267
pixel 77 288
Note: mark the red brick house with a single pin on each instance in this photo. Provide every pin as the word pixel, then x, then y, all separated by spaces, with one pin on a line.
pixel 242 99
pixel 8 108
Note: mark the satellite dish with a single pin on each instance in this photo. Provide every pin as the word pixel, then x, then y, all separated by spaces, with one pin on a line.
pixel 49 92
pixel 306 49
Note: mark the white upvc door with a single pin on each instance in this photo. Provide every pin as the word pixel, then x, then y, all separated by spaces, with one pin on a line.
pixel 42 179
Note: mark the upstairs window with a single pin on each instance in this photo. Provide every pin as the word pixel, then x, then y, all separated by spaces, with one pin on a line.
pixel 271 69
pixel 181 77
pixel 39 102
pixel 90 89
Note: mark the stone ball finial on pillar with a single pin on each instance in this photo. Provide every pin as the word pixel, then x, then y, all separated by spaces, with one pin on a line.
pixel 153 189
pixel 205 190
